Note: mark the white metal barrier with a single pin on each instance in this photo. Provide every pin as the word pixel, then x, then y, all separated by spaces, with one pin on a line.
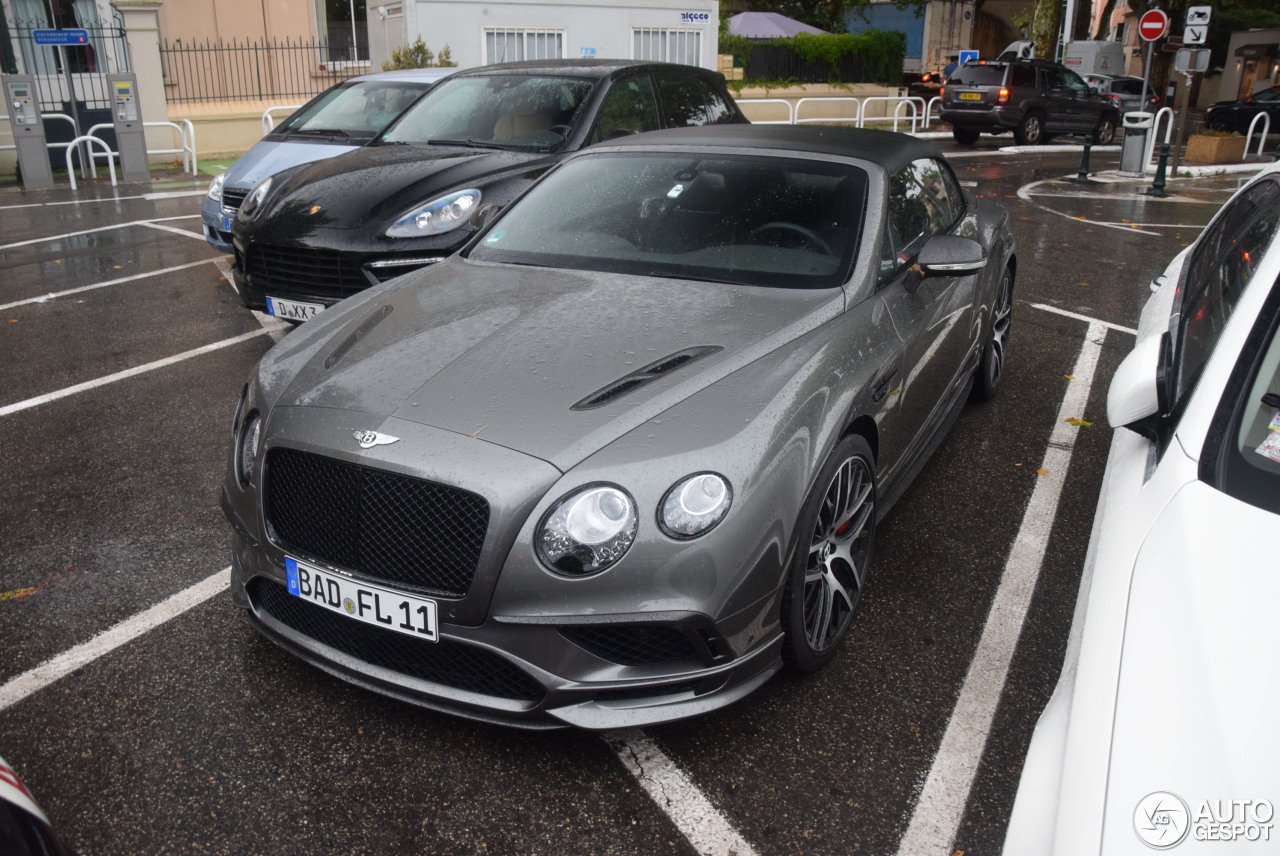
pixel 1166 112
pixel 897 110
pixel 791 110
pixel 88 138
pixel 857 110
pixel 1266 129
pixel 186 144
pixel 928 111
pixel 268 121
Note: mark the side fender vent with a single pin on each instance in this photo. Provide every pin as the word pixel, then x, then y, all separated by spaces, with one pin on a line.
pixel 640 377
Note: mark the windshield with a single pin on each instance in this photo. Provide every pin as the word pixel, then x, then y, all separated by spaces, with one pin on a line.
pixel 745 220
pixel 357 110
pixel 519 111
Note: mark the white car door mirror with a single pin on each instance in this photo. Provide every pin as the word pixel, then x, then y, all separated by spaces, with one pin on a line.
pixel 1137 390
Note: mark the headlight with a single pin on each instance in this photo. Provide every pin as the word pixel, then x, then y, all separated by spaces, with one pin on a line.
pixel 252 204
pixel 215 187
pixel 695 505
pixel 436 217
pixel 247 448
pixel 587 531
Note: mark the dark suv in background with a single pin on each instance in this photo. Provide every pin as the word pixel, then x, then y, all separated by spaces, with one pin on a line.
pixel 1032 98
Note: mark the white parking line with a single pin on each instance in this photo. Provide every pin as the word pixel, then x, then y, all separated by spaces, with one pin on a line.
pixel 164 194
pixel 694 815
pixel 128 373
pixel 55 668
pixel 184 232
pixel 99 229
pixel 945 795
pixel 1044 307
pixel 54 295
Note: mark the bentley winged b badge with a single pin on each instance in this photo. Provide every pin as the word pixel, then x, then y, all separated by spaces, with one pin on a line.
pixel 369 439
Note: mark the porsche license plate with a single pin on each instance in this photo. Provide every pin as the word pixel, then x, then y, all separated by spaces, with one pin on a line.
pixel 970 96
pixel 293 310
pixel 381 607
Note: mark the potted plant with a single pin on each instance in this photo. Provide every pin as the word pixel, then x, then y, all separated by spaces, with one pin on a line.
pixel 1215 147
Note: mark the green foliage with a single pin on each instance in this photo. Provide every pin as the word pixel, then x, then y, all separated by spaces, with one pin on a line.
pixel 880 52
pixel 418 55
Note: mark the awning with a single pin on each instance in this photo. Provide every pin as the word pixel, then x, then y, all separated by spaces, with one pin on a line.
pixel 767 25
pixel 1256 51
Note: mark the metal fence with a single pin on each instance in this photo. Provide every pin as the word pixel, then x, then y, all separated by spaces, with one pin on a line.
pixel 72 72
pixel 218 71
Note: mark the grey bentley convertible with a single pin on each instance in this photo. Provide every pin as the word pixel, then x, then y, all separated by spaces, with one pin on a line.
pixel 621 459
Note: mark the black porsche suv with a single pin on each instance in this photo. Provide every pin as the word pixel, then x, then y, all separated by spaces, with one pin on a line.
pixel 1034 99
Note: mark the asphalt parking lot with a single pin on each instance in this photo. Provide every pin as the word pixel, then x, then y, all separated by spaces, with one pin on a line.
pixel 148 717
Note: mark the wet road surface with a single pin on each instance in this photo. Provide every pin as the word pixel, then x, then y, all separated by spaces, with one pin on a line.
pixel 123 352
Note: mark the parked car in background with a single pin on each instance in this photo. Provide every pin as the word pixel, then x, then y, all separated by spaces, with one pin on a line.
pixel 624 455
pixel 1031 98
pixel 345 116
pixel 1236 115
pixel 1167 700
pixel 1125 91
pixel 24 828
pixel 328 230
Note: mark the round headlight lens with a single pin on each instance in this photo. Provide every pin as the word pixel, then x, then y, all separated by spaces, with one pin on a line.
pixel 215 187
pixel 588 531
pixel 695 505
pixel 252 204
pixel 247 456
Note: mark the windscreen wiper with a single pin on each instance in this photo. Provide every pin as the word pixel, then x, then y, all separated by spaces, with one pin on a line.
pixel 475 144
pixel 319 132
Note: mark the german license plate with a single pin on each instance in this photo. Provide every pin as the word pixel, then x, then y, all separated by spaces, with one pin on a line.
pixel 293 310
pixel 381 607
pixel 970 96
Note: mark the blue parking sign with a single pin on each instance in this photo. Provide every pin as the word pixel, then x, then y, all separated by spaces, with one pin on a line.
pixel 966 56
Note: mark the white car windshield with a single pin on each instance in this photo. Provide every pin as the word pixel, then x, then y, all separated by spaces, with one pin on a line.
pixel 770 221
pixel 518 111
pixel 359 110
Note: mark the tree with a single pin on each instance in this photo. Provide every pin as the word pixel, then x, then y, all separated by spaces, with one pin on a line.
pixel 418 55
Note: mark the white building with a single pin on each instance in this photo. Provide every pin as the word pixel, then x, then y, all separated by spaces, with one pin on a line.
pixel 480 33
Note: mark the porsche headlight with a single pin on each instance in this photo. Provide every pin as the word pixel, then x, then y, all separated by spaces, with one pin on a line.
pixel 215 187
pixel 695 505
pixel 588 530
pixel 247 447
pixel 252 205
pixel 437 216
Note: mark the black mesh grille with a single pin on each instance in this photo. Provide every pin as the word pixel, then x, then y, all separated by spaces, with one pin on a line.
pixel 233 199
pixel 324 273
pixel 448 663
pixel 633 645
pixel 407 532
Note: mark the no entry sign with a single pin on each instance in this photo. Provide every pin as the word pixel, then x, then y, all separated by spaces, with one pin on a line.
pixel 1153 25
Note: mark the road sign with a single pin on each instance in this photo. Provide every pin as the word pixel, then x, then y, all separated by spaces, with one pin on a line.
pixel 1153 25
pixel 1195 35
pixel 1199 15
pixel 60 37
pixel 968 56
pixel 1191 60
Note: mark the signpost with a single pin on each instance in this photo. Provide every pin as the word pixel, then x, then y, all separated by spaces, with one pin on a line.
pixel 1153 25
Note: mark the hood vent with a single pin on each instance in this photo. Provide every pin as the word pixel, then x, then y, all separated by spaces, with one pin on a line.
pixel 356 335
pixel 640 377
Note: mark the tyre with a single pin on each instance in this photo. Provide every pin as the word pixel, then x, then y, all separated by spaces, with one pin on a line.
pixel 1030 132
pixel 835 535
pixel 995 354
pixel 1105 133
pixel 965 136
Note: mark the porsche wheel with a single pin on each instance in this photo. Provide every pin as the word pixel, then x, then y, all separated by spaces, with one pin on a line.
pixel 836 530
pixel 986 382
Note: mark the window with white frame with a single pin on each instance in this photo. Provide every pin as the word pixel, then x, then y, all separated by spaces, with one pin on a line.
pixel 512 44
pixel 662 45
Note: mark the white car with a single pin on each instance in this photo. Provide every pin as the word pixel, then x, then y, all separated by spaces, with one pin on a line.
pixel 24 828
pixel 1161 731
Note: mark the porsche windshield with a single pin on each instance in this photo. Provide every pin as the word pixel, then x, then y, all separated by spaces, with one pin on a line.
pixel 768 221
pixel 518 111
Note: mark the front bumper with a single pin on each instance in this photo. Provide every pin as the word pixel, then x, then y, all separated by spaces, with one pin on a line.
pixel 539 675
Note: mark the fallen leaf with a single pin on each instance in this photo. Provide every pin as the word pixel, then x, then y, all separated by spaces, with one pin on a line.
pixel 116 267
pixel 1069 376
pixel 1017 465
pixel 1042 472
pixel 1079 423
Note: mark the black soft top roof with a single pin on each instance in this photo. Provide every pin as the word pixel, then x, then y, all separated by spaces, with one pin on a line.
pixel 886 148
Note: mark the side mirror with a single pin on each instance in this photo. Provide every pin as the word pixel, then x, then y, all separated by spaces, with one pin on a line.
pixel 1139 390
pixel 484 215
pixel 951 255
